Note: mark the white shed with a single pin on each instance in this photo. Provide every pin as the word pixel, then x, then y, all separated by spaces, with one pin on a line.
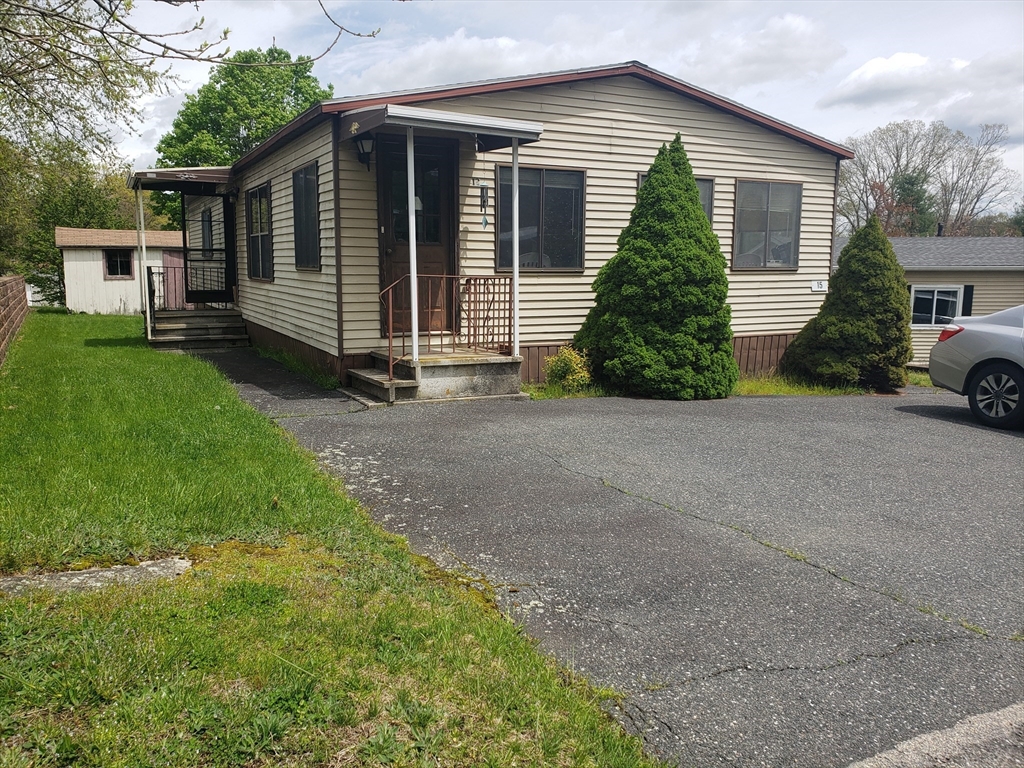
pixel 101 266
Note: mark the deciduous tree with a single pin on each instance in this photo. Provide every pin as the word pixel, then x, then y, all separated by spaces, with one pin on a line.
pixel 908 171
pixel 68 67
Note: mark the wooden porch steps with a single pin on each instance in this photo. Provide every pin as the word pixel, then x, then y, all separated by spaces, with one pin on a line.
pixel 198 329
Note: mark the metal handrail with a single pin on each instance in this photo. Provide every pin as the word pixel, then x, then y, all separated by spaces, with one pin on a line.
pixel 472 311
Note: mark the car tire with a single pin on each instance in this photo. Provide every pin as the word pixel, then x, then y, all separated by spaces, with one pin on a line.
pixel 996 396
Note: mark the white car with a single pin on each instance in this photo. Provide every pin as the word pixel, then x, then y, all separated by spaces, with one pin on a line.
pixel 983 358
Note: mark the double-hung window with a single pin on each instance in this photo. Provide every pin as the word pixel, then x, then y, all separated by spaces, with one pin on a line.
pixel 306 217
pixel 550 218
pixel 767 225
pixel 935 304
pixel 261 252
pixel 705 188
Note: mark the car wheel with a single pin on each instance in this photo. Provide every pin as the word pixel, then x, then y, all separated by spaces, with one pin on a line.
pixel 995 396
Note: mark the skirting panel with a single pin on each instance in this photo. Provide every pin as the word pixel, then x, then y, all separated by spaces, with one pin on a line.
pixel 754 355
pixel 760 354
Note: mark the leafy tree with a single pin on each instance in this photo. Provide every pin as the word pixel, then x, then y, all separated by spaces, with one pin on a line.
pixel 68 189
pixel 1017 219
pixel 239 108
pixel 861 335
pixel 69 66
pixel 660 325
pixel 16 211
pixel 910 167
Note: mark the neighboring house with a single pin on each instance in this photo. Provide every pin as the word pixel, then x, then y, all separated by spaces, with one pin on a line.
pixel 951 276
pixel 101 267
pixel 322 219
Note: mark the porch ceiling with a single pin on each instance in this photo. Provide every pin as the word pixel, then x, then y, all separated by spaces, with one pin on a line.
pixel 491 132
pixel 191 181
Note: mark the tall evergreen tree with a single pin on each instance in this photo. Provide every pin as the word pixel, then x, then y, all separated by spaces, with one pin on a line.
pixel 660 325
pixel 861 335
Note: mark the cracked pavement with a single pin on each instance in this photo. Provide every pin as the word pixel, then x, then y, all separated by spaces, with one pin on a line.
pixel 767 581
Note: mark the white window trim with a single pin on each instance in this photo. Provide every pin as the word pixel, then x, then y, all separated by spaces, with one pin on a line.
pixel 929 287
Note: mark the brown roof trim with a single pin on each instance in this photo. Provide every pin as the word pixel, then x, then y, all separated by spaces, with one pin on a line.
pixel 299 125
pixel 315 114
pixel 633 68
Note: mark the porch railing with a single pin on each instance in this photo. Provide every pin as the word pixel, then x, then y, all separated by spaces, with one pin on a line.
pixel 467 311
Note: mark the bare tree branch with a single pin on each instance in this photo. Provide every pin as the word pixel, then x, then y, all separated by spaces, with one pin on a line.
pixel 68 66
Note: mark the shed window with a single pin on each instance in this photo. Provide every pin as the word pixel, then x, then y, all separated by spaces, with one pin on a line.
pixel 306 216
pixel 550 218
pixel 935 304
pixel 767 225
pixel 261 253
pixel 705 187
pixel 118 265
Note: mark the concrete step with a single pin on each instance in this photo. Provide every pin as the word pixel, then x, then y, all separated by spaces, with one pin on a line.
pixel 375 382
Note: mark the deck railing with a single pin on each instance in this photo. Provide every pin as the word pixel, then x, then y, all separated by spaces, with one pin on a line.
pixel 471 312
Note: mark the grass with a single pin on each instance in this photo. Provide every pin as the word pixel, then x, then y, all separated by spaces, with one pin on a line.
pixel 549 391
pixel 304 635
pixel 919 378
pixel 293 363
pixel 772 384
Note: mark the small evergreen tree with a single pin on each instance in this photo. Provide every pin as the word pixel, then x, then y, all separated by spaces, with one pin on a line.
pixel 861 335
pixel 660 325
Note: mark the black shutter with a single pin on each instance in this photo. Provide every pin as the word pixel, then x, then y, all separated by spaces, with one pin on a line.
pixel 968 302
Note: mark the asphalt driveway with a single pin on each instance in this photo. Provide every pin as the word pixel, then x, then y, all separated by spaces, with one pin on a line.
pixel 769 581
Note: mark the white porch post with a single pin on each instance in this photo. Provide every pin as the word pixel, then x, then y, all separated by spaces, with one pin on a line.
pixel 515 247
pixel 410 172
pixel 140 224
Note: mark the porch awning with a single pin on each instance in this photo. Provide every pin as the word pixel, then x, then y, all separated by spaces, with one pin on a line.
pixel 491 132
pixel 191 181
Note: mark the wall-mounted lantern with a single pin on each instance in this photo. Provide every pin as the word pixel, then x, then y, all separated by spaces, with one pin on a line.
pixel 364 146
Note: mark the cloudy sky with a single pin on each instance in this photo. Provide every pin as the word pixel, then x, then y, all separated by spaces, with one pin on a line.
pixel 838 69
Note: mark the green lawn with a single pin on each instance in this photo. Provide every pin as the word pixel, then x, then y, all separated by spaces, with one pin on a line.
pixel 303 636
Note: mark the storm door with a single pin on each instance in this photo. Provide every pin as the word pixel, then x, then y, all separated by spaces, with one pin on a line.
pixel 435 244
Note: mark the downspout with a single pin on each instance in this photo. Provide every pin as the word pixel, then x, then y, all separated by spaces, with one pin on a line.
pixel 140 226
pixel 835 220
pixel 335 169
pixel 410 176
pixel 515 247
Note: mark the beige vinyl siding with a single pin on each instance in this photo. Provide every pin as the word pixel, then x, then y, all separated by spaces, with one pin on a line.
pixel 360 260
pixel 298 303
pixel 993 291
pixel 88 290
pixel 612 129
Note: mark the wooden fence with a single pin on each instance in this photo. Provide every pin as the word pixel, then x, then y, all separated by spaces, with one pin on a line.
pixel 13 308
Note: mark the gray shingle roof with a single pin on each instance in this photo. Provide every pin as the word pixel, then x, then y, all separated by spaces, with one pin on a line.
pixel 952 252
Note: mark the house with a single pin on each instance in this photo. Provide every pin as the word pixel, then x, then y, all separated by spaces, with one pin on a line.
pixel 951 276
pixel 320 258
pixel 101 267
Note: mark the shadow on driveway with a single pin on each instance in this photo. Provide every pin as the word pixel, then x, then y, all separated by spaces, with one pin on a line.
pixel 951 414
pixel 274 390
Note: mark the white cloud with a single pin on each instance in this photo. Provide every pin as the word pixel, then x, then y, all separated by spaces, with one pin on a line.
pixel 964 94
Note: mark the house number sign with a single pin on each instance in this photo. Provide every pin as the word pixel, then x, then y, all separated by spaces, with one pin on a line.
pixel 819 286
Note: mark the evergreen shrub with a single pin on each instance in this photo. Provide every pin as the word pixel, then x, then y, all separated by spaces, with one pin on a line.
pixel 660 325
pixel 861 335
